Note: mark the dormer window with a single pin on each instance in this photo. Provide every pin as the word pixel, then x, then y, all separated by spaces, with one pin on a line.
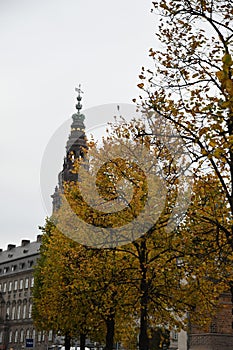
pixel 22 265
pixel 30 263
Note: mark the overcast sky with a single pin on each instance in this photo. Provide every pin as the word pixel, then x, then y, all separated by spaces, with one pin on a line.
pixel 47 48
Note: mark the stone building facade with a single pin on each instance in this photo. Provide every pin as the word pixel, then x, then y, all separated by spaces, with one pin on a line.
pixel 16 284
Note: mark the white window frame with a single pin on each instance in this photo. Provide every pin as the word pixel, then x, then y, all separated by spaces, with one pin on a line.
pixel 8 310
pixel 10 336
pixel 24 311
pixel 15 285
pixel 30 311
pixel 16 336
pixel 13 312
pixel 21 284
pixel 39 336
pixel 19 312
pixel 32 282
pixel 21 336
pixel 50 336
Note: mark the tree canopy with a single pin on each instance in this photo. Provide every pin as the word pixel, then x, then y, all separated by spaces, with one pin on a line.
pixel 165 263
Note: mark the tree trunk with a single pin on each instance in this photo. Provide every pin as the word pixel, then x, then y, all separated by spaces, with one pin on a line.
pixel 82 341
pixel 110 323
pixel 143 336
pixel 67 341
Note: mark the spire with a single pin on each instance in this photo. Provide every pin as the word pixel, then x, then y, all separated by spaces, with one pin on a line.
pixel 75 146
pixel 79 98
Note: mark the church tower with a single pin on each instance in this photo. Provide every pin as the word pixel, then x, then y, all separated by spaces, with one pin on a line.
pixel 75 148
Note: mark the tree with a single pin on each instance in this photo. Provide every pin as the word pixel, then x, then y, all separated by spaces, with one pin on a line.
pixel 78 290
pixel 158 290
pixel 59 299
pixel 192 88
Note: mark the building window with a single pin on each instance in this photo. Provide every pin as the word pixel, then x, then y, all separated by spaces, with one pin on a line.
pixel 21 336
pixel 27 334
pixel 30 263
pixel 18 312
pixel 13 267
pixel 24 311
pixel 10 287
pixel 5 270
pixel 16 336
pixel 0 287
pixel 39 336
pixel 21 284
pixel 50 337
pixel 22 265
pixel 26 283
pixel 30 311
pixel 4 287
pixel 174 335
pixel 15 285
pixel 32 282
pixel 10 336
pixel 13 313
pixel 8 312
pixel 213 328
pixel 33 334
pixel 43 335
pixel 1 333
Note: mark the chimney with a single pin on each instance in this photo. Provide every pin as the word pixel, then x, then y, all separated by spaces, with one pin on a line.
pixel 24 242
pixel 11 246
